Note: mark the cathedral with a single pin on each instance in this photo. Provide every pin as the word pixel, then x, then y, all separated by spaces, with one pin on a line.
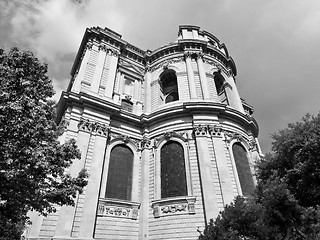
pixel 164 135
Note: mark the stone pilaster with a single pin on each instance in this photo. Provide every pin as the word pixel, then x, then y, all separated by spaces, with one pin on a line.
pixel 95 84
pixel 192 85
pixel 209 194
pixel 216 134
pixel 147 90
pixel 82 68
pixel 112 72
pixel 203 78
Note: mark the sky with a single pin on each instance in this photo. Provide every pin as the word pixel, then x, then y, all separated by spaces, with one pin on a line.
pixel 275 44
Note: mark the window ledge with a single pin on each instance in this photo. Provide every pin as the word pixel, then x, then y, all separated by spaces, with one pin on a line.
pixel 118 208
pixel 173 206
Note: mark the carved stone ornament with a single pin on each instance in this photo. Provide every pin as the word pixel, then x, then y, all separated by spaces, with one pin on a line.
pixel 215 130
pixel 218 66
pixel 120 209
pixel 253 145
pixel 89 45
pixel 166 63
pixel 93 127
pixel 169 135
pixel 145 143
pixel 229 136
pixel 124 138
pixel 175 206
pixel 200 130
pixel 199 54
pixel 113 52
pixel 127 97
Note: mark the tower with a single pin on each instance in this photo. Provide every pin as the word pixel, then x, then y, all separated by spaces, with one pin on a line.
pixel 164 135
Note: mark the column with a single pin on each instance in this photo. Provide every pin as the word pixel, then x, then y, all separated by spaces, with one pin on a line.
pixel 82 69
pixel 95 84
pixel 147 91
pixel 211 209
pixel 144 196
pixel 112 73
pixel 192 85
pixel 203 78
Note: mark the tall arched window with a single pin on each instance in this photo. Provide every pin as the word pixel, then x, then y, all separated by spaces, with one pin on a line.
pixel 218 81
pixel 173 171
pixel 243 168
pixel 169 85
pixel 119 182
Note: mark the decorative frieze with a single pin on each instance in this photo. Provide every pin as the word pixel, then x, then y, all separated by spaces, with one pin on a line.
pixel 165 64
pixel 183 135
pixel 174 206
pixel 124 138
pixel 108 50
pixel 218 66
pixel 117 208
pixel 93 127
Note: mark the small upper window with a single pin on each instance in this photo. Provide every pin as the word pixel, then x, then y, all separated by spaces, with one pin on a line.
pixel 243 168
pixel 128 86
pixel 126 105
pixel 169 85
pixel 218 81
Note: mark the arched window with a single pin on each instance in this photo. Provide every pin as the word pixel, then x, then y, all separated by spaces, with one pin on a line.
pixel 243 168
pixel 218 81
pixel 173 171
pixel 119 181
pixel 169 85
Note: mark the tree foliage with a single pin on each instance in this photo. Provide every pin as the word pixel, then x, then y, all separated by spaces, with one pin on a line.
pixel 32 161
pixel 285 204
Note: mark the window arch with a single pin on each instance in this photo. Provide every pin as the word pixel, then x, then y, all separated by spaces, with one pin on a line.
pixel 169 85
pixel 173 170
pixel 243 168
pixel 119 181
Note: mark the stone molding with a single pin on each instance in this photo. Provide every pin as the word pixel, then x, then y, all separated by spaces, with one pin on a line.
pixel 123 138
pixel 164 64
pixel 118 208
pixel 182 135
pixel 173 206
pixel 93 127
pixel 218 65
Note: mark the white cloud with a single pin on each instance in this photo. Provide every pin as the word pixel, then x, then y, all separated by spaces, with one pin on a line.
pixel 55 28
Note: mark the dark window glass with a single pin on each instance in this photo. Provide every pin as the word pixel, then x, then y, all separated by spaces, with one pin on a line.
pixel 169 85
pixel 173 172
pixel 119 182
pixel 218 81
pixel 243 168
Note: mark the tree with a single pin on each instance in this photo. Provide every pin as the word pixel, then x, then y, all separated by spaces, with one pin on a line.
pixel 32 161
pixel 286 201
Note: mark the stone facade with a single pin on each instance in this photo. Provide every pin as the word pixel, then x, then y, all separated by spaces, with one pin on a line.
pixel 144 101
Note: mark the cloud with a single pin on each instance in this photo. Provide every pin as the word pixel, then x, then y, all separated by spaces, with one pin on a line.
pixel 275 44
